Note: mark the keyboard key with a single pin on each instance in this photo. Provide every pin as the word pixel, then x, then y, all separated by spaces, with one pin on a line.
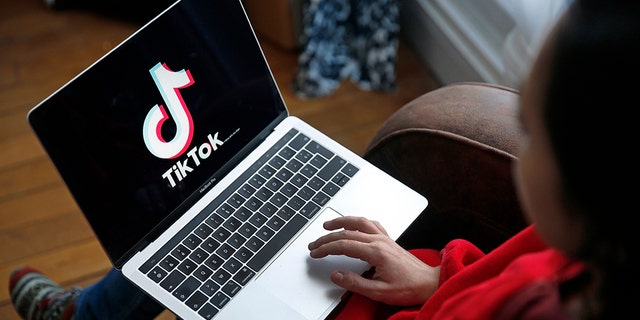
pixel 299 141
pixel 294 165
pixel 285 213
pixel 247 230
pixel 172 280
pixel 242 214
pixel 232 224
pixel 254 244
pixel 214 262
pixel 232 266
pixel 203 231
pixel 267 171
pixel 308 171
pixel 304 156
pixel 186 288
pixel 331 168
pixel 243 276
pixel 331 189
pixel 246 191
pixel 180 252
pixel 350 170
pixel 214 220
pixel 236 200
pixel 299 180
pixel 225 251
pixel 221 234
pixel 210 244
pixel 257 181
pixel 157 274
pixel 209 287
pixel 275 223
pixel 286 153
pixel 295 203
pixel 254 204
pixel 219 300
pixel 196 300
pixel 288 189
pixel 221 276
pixel 315 147
pixel 208 311
pixel 318 161
pixel 321 199
pixel 168 263
pixel 203 273
pixel 231 288
pixel 192 241
pixel 243 254
pixel 265 234
pixel 305 193
pixel 198 255
pixel 277 162
pixel 236 240
pixel 309 210
pixel 225 210
pixel 187 266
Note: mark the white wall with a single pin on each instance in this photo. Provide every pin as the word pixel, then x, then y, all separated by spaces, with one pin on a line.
pixel 478 40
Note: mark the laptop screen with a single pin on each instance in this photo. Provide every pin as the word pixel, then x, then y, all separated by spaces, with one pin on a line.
pixel 151 125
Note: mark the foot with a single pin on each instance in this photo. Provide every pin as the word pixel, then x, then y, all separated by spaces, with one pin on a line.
pixel 36 297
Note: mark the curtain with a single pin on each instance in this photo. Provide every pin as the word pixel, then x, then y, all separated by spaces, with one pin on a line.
pixel 347 39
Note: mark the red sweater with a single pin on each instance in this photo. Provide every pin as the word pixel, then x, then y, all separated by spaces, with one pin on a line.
pixel 518 279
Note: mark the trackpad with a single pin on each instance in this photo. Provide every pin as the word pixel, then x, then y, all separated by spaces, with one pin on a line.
pixel 295 276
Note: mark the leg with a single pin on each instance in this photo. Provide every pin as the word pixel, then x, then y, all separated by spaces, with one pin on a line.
pixel 35 296
pixel 114 297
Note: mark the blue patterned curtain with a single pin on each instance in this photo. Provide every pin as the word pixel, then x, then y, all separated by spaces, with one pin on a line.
pixel 356 39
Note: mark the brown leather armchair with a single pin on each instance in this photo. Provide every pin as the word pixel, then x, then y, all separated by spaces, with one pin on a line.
pixel 456 145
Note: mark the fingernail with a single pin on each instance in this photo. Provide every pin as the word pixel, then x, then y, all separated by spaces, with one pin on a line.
pixel 339 276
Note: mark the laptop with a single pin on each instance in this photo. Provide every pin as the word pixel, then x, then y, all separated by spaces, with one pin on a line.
pixel 178 148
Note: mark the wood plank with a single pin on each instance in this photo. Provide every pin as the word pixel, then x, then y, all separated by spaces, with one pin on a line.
pixel 31 207
pixel 28 176
pixel 43 236
pixel 19 149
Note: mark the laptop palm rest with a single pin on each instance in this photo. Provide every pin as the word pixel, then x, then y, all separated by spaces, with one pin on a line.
pixel 299 289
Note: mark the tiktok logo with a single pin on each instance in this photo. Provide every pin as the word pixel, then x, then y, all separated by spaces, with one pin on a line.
pixel 169 82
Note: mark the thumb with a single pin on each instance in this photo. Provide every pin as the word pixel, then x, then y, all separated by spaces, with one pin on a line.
pixel 348 280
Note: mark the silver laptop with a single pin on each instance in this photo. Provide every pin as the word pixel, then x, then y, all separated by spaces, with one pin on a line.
pixel 179 150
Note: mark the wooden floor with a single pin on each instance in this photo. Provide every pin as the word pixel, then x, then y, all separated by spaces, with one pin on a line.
pixel 40 50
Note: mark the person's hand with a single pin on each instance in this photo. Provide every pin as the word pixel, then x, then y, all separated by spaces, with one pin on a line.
pixel 399 279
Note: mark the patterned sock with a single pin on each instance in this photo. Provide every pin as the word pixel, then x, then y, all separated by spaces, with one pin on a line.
pixel 36 297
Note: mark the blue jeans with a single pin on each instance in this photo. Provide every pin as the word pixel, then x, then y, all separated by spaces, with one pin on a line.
pixel 114 298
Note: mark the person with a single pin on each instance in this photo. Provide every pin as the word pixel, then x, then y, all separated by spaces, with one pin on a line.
pixel 576 260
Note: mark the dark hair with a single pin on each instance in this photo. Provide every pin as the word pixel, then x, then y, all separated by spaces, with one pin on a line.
pixel 593 92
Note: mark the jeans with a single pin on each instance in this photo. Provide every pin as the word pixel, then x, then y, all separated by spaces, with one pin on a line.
pixel 114 298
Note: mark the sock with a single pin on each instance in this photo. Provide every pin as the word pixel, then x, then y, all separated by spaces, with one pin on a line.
pixel 36 297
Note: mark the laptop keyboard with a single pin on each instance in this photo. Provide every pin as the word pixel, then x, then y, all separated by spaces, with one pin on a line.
pixel 233 238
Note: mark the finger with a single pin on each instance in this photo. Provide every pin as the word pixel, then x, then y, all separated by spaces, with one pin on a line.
pixel 351 248
pixel 355 223
pixel 340 235
pixel 356 283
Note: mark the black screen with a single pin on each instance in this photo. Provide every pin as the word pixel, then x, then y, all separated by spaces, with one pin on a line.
pixel 199 67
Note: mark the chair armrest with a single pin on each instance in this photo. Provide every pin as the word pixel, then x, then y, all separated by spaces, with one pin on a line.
pixel 455 145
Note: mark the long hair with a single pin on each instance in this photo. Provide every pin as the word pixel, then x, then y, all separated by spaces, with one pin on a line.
pixel 592 96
